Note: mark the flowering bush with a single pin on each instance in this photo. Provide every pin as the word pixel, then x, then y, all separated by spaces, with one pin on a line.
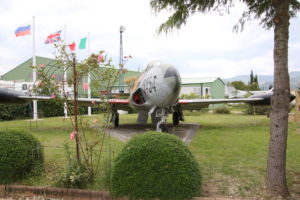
pixel 75 176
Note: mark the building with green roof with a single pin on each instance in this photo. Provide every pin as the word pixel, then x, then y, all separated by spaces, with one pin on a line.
pixel 211 87
pixel 23 73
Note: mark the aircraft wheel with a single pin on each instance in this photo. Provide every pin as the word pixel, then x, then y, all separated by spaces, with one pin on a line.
pixel 163 128
pixel 175 118
pixel 116 120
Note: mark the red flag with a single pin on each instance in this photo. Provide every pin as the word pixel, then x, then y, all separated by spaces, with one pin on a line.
pixel 72 46
pixel 54 37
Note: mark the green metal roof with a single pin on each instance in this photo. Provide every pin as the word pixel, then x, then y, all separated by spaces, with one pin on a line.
pixel 23 72
pixel 199 80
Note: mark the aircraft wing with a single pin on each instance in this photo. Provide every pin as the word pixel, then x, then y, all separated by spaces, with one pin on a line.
pixel 119 104
pixel 13 97
pixel 196 104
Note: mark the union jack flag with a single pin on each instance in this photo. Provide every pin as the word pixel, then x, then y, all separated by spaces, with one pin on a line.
pixel 54 37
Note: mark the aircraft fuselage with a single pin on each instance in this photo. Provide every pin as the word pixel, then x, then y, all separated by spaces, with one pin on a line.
pixel 159 85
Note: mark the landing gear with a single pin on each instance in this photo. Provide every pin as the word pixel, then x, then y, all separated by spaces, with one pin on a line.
pixel 177 115
pixel 175 118
pixel 161 125
pixel 116 121
pixel 164 128
pixel 115 118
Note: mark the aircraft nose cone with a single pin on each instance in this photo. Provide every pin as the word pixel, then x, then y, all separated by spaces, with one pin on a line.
pixel 171 72
pixel 173 75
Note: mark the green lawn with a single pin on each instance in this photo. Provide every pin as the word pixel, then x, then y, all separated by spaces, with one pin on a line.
pixel 231 151
pixel 54 133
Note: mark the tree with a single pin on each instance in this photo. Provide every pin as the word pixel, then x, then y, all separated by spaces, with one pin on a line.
pixel 251 77
pixel 239 85
pixel 253 85
pixel 89 141
pixel 271 13
pixel 255 79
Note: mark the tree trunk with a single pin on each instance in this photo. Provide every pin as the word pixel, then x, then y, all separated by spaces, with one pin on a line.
pixel 76 109
pixel 276 165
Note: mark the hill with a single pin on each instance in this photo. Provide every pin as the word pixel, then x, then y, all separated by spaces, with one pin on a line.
pixel 265 81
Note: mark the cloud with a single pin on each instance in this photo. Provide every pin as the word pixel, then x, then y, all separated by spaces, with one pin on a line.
pixel 225 68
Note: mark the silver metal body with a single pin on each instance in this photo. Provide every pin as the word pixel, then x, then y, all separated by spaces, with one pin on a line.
pixel 156 92
pixel 159 85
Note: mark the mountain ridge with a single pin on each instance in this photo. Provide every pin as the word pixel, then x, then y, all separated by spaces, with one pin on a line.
pixel 265 81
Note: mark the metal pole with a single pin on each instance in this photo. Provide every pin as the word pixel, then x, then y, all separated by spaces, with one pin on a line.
pixel 35 111
pixel 121 82
pixel 89 74
pixel 65 76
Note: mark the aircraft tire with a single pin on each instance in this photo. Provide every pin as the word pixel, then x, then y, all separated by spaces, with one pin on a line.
pixel 116 120
pixel 175 118
pixel 163 128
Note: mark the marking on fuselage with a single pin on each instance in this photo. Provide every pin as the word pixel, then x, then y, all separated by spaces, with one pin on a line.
pixel 149 84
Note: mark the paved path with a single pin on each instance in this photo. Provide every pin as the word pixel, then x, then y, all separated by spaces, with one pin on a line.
pixel 125 131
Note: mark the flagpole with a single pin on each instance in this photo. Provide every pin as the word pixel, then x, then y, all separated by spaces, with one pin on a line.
pixel 89 74
pixel 65 75
pixel 35 111
pixel 65 33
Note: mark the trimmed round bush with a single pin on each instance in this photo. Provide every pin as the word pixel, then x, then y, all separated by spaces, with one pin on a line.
pixel 156 165
pixel 20 152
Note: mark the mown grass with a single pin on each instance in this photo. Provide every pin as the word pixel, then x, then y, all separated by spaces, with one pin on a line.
pixel 231 151
pixel 54 133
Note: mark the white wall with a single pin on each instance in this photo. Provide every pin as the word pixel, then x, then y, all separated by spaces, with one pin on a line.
pixel 196 90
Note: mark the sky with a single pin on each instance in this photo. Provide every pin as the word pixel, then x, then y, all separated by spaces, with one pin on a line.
pixel 205 47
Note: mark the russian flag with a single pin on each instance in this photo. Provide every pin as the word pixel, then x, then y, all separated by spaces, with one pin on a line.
pixel 23 30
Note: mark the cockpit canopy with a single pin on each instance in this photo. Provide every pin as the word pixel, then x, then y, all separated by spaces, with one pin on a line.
pixel 153 63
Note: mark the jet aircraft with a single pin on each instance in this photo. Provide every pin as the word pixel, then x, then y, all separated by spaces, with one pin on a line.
pixel 156 94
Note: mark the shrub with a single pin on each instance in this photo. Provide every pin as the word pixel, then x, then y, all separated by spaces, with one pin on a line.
pixel 75 174
pixel 11 112
pixel 190 96
pixel 156 165
pixel 222 110
pixel 258 110
pixel 106 173
pixel 20 153
pixel 195 112
pixel 51 108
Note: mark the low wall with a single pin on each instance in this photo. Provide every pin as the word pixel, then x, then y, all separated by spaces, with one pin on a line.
pixel 33 192
pixel 50 192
